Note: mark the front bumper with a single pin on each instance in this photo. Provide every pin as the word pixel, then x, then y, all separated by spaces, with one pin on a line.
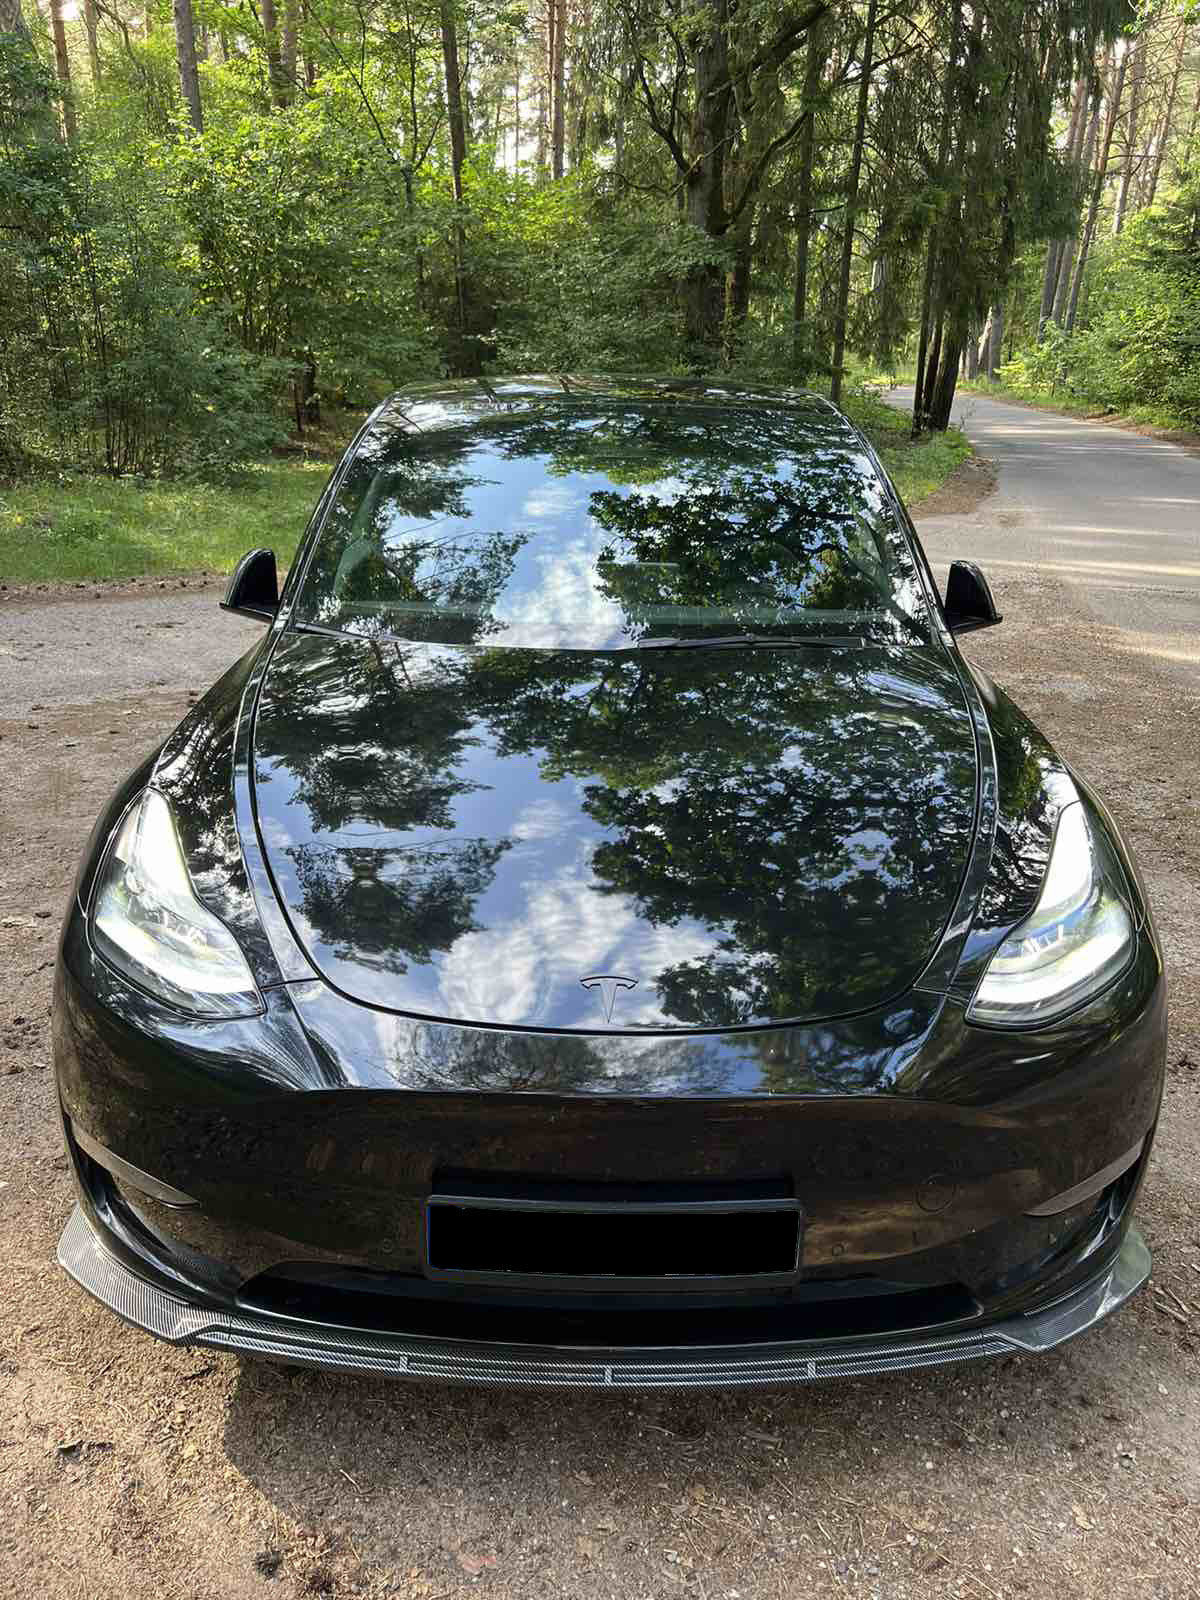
pixel 261 1185
pixel 342 1349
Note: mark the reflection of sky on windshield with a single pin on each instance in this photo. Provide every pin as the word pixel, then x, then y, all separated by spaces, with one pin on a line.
pixel 553 595
pixel 553 500
pixel 565 602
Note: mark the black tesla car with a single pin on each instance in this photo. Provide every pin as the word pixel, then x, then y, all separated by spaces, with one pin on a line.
pixel 605 933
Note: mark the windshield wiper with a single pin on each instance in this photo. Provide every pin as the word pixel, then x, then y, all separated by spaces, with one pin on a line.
pixel 717 641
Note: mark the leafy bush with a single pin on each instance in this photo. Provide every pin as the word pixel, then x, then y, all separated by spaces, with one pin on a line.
pixel 298 242
pixel 1044 367
pixel 105 362
pixel 578 284
pixel 1137 347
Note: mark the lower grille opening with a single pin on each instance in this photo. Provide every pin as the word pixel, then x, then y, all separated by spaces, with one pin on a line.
pixel 825 1309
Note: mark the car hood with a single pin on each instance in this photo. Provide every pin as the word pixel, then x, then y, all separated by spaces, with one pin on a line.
pixel 691 839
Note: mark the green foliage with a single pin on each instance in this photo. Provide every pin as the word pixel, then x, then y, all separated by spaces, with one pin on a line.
pixel 1043 367
pixel 602 295
pixel 295 238
pixel 172 301
pixel 1137 349
pixel 106 362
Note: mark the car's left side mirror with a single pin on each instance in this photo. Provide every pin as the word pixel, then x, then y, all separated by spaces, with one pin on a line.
pixel 969 602
pixel 254 587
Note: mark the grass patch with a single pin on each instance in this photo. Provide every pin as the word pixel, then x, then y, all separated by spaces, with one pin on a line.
pixel 74 528
pixel 916 467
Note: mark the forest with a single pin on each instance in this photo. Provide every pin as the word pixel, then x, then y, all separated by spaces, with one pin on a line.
pixel 222 219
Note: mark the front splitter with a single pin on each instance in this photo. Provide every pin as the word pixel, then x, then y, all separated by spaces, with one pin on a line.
pixel 313 1344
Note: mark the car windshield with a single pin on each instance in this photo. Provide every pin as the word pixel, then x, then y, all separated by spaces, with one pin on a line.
pixel 602 526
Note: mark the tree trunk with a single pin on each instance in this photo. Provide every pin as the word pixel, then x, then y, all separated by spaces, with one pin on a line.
pixel 1191 133
pixel 91 28
pixel 545 89
pixel 516 122
pixel 464 357
pixel 1168 117
pixel 1077 104
pixel 62 66
pixel 814 65
pixel 931 255
pixel 310 397
pixel 185 55
pixel 1089 230
pixel 11 20
pixel 1071 246
pixel 275 77
pixel 860 135
pixel 946 381
pixel 1054 255
pixel 1139 69
pixel 287 49
pixel 558 57
pixel 455 117
pixel 579 90
pixel 620 116
pixel 704 186
pixel 580 128
pixel 737 286
pixel 928 377
pixel 1056 249
pixel 995 341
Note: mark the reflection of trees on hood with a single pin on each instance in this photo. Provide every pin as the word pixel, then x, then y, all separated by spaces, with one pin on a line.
pixel 756 797
pixel 401 905
pixel 347 766
pixel 361 785
pixel 806 808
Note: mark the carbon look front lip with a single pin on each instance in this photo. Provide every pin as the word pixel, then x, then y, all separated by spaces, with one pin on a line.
pixel 344 1349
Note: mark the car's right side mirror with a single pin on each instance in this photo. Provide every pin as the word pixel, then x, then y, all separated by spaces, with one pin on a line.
pixel 254 587
pixel 969 602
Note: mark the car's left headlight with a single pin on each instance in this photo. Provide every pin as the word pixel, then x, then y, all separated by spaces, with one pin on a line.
pixel 1077 939
pixel 147 922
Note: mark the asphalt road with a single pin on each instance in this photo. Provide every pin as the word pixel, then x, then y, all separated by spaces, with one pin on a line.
pixel 1114 514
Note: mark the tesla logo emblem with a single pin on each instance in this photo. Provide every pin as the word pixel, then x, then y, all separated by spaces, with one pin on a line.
pixel 606 987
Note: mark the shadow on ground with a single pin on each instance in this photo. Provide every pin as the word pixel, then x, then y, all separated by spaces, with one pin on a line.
pixel 878 1481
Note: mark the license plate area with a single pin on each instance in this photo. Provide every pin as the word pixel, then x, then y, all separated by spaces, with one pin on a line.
pixel 631 1244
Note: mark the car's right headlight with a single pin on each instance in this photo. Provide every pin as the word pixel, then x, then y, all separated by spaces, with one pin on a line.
pixel 1077 939
pixel 147 922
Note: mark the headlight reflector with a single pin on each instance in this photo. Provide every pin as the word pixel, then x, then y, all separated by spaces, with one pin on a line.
pixel 1077 939
pixel 147 922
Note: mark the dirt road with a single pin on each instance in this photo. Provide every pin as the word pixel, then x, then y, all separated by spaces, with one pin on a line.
pixel 129 1469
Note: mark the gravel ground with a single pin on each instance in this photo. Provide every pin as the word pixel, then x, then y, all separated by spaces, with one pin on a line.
pixel 130 1469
